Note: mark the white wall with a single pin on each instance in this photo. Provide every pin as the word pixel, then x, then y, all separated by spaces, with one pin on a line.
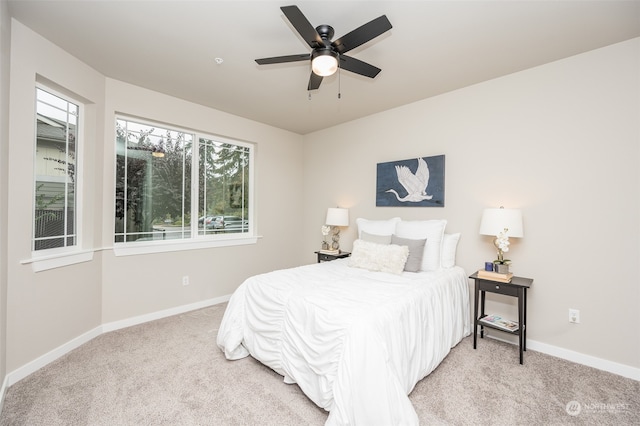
pixel 561 142
pixel 48 309
pixel 135 285
pixel 5 49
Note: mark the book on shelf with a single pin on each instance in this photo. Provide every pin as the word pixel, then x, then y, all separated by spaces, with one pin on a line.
pixel 499 322
pixel 334 252
pixel 489 275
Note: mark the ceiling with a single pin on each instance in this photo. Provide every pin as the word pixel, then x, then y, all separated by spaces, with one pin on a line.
pixel 433 47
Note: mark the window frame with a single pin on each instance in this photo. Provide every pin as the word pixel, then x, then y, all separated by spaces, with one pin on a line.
pixel 195 241
pixel 61 256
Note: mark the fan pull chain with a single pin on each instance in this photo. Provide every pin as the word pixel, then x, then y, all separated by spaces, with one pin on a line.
pixel 339 80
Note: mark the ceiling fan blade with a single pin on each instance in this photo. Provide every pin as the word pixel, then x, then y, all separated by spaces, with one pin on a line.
pixel 314 81
pixel 281 59
pixel 362 34
pixel 352 64
pixel 303 26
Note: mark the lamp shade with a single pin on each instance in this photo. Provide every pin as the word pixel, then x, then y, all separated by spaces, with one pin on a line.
pixel 495 221
pixel 337 216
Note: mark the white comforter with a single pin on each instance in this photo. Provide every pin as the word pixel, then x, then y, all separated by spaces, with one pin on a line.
pixel 356 342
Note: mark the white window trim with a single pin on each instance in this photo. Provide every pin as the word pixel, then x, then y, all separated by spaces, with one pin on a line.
pixel 42 260
pixel 197 241
pixel 58 260
pixel 132 249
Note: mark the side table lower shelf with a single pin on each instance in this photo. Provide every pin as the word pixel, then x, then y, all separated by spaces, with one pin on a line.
pixel 499 323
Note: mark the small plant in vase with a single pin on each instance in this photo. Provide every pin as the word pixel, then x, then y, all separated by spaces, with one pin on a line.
pixel 501 265
pixel 326 229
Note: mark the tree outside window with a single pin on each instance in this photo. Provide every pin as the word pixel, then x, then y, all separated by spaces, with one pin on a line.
pixel 154 174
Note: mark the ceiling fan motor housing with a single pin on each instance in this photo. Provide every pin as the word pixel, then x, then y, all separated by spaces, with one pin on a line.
pixel 326 33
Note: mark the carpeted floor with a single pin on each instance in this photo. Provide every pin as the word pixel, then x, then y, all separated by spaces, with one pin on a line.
pixel 170 372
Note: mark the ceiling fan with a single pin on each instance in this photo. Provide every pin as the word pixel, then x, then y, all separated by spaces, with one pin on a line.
pixel 326 53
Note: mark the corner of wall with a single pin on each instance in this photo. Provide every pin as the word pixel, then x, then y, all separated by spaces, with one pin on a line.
pixel 5 51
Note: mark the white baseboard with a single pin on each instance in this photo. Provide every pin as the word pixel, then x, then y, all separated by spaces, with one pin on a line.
pixel 588 360
pixel 49 357
pixel 3 391
pixel 33 366
pixel 577 357
pixel 117 325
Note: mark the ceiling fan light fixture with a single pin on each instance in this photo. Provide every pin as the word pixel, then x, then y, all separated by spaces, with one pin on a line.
pixel 324 62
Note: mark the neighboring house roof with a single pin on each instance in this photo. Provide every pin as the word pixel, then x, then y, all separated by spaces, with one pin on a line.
pixel 51 129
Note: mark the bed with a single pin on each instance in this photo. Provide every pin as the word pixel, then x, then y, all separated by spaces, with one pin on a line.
pixel 356 340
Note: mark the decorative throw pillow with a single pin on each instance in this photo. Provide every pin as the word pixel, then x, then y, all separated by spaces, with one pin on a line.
pixel 433 231
pixel 377 227
pixel 374 238
pixel 378 257
pixel 416 250
pixel 449 246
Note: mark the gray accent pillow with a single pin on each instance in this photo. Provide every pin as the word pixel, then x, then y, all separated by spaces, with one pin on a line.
pixel 373 238
pixel 416 250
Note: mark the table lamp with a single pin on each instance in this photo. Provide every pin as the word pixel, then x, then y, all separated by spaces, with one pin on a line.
pixel 502 223
pixel 336 217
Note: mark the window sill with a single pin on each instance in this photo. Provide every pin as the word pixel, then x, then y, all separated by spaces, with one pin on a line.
pixel 58 260
pixel 132 249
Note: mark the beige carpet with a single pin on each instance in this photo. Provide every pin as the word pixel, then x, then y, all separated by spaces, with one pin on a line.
pixel 170 372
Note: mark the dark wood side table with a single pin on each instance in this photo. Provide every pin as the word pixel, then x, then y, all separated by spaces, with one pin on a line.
pixel 516 288
pixel 325 257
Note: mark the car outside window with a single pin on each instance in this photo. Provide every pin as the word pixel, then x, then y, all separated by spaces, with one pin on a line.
pixel 156 168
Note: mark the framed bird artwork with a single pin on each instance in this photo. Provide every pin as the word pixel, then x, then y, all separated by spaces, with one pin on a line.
pixel 416 182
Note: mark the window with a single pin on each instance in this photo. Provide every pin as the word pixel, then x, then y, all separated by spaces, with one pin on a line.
pixel 223 187
pixel 153 182
pixel 55 206
pixel 156 169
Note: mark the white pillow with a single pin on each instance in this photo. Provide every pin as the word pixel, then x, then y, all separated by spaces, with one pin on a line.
pixel 377 227
pixel 378 257
pixel 373 238
pixel 449 246
pixel 433 231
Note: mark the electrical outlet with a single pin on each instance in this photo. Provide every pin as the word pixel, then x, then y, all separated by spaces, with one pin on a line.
pixel 574 316
pixel 185 280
